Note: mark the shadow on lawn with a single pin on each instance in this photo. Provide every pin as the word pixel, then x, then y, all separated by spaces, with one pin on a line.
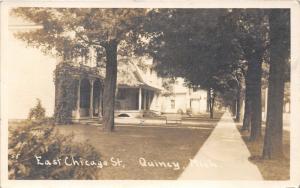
pixel 278 169
pixel 154 144
pixel 130 144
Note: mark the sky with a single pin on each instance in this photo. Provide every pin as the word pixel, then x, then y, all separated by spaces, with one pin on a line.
pixel 29 76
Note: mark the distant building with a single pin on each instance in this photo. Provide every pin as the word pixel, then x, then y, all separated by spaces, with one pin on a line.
pixel 184 99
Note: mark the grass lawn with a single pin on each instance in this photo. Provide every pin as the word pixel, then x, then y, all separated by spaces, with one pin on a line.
pixel 270 169
pixel 174 144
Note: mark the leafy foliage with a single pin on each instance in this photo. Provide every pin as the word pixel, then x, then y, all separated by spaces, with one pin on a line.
pixel 70 32
pixel 65 95
pixel 287 93
pixel 168 85
pixel 32 139
pixel 38 112
pixel 209 48
pixel 185 44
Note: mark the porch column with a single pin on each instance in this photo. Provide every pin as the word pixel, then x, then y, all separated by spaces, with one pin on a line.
pixel 100 104
pixel 91 98
pixel 77 116
pixel 140 98
pixel 149 99
pixel 145 100
pixel 154 101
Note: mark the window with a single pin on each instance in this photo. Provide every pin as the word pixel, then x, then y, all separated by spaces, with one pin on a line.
pixel 172 104
pixel 121 94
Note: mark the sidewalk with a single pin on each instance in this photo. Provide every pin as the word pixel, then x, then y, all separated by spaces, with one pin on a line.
pixel 224 156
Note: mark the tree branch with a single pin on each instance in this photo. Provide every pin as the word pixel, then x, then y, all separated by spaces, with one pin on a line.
pixel 88 41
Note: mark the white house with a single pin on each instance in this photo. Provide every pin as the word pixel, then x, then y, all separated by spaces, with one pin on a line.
pixel 183 99
pixel 30 76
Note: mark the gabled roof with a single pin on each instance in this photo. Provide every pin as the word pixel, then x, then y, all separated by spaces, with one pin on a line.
pixel 130 75
pixel 127 75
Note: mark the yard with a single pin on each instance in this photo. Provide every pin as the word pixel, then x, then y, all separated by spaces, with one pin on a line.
pixel 173 145
pixel 270 169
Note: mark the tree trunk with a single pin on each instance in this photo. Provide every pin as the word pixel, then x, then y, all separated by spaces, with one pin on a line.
pixel 211 104
pixel 208 101
pixel 248 110
pixel 233 107
pixel 279 55
pixel 238 104
pixel 255 67
pixel 110 84
pixel 253 116
pixel 211 111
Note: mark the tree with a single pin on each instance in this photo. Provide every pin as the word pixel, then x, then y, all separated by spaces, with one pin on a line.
pixel 279 20
pixel 186 45
pixel 208 51
pixel 38 112
pixel 249 28
pixel 70 32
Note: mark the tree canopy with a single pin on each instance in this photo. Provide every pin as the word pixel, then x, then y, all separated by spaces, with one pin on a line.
pixel 71 31
pixel 226 50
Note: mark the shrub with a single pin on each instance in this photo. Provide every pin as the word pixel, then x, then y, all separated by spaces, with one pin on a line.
pixel 180 111
pixel 38 112
pixel 37 139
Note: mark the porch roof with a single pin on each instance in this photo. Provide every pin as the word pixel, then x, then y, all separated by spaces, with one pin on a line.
pixel 142 85
pixel 130 77
pixel 81 71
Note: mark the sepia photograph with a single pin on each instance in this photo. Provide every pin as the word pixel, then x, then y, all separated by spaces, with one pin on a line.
pixel 148 93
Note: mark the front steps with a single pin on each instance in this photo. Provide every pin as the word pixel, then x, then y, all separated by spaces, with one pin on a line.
pixel 90 121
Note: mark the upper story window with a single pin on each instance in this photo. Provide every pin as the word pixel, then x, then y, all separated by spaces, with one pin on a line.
pixel 172 104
